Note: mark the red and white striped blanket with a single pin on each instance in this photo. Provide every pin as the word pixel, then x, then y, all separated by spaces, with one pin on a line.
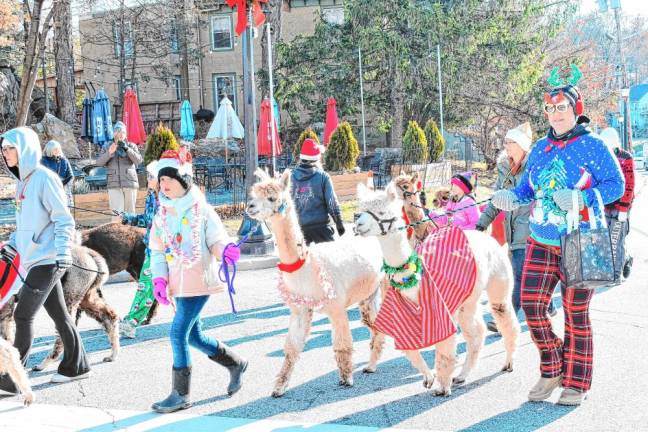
pixel 448 278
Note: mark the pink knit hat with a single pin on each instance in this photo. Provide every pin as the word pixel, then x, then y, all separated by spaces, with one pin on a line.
pixel 464 181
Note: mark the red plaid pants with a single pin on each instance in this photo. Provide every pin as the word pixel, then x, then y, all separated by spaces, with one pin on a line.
pixel 572 357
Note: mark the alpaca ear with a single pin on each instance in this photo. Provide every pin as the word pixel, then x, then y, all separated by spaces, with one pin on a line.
pixel 390 191
pixel 285 180
pixel 415 177
pixel 261 174
pixel 362 190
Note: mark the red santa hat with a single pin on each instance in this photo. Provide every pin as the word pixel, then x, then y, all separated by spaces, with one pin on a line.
pixel 310 151
pixel 177 165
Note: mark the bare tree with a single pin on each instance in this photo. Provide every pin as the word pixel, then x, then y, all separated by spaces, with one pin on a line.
pixel 64 63
pixel 36 29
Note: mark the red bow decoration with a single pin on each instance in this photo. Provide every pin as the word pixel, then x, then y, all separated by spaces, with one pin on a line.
pixel 241 9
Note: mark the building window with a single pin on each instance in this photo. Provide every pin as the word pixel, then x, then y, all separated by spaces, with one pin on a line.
pixel 224 85
pixel 177 80
pixel 333 15
pixel 173 38
pixel 128 39
pixel 221 32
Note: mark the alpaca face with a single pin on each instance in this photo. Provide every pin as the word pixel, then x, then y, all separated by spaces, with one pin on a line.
pixel 441 198
pixel 268 196
pixel 379 211
pixel 406 185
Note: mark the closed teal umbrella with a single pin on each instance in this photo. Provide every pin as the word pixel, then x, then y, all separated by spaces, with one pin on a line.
pixel 102 120
pixel 187 129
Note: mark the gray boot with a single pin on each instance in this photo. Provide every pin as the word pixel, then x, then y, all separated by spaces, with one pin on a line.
pixel 179 397
pixel 234 363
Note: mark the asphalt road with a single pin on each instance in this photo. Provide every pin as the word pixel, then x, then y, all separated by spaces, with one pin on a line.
pixel 119 394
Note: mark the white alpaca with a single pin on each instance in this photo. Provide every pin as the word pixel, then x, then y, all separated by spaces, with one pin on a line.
pixel 381 217
pixel 332 277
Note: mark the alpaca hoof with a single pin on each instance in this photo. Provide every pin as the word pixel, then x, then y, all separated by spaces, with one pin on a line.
pixel 346 382
pixel 508 367
pixel 441 392
pixel 369 369
pixel 428 381
pixel 277 393
pixel 29 399
pixel 458 380
pixel 108 359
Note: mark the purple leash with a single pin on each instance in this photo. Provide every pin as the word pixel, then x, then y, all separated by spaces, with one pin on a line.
pixel 224 271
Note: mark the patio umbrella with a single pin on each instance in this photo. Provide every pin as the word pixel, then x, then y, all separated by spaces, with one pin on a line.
pixel 86 119
pixel 226 125
pixel 187 130
pixel 331 120
pixel 132 118
pixel 102 120
pixel 267 128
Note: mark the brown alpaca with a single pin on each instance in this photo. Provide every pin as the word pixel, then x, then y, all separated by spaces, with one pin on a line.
pixel 332 277
pixel 409 191
pixel 10 364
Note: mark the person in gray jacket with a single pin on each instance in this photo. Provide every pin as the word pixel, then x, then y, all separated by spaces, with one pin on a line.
pixel 314 197
pixel 510 166
pixel 121 160
pixel 43 238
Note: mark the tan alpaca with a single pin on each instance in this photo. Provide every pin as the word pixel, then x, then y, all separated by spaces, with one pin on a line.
pixel 406 187
pixel 494 274
pixel 333 277
pixel 10 364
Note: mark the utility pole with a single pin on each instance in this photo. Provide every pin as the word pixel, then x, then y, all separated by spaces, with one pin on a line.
pixel 622 78
pixel 362 107
pixel 440 94
pixel 249 99
pixel 271 85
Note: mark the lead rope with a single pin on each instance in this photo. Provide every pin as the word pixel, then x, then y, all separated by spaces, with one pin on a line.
pixel 224 271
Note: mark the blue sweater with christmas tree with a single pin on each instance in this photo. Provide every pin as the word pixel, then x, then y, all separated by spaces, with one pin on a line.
pixel 579 161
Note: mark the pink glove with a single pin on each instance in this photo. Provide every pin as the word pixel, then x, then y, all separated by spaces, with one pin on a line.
pixel 232 253
pixel 160 290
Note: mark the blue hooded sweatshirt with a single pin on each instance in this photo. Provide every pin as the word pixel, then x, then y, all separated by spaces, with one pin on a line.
pixel 44 226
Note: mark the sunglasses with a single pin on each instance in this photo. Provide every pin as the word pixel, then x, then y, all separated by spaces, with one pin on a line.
pixel 549 108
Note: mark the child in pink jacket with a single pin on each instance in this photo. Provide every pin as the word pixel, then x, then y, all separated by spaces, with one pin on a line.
pixel 460 210
pixel 187 237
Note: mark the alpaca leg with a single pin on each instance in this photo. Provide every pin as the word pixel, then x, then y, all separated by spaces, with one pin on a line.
pixel 368 313
pixel 342 346
pixel 446 360
pixel 473 330
pixel 499 297
pixel 104 314
pixel 298 330
pixel 10 364
pixel 416 359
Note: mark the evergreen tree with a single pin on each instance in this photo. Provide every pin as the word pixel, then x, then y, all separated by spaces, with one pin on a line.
pixel 415 144
pixel 159 141
pixel 342 151
pixel 436 141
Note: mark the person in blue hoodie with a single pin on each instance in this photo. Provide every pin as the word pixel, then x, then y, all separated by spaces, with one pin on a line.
pixel 314 197
pixel 569 159
pixel 43 238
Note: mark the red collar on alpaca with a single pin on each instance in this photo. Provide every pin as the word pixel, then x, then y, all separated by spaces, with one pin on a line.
pixel 293 267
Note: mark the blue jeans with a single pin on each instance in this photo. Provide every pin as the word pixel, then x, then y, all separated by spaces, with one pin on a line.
pixel 186 330
pixel 517 261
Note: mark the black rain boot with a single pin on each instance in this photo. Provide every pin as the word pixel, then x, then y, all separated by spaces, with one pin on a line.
pixel 234 363
pixel 179 397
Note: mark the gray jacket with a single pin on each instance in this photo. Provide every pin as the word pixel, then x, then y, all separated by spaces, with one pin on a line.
pixel 517 221
pixel 44 226
pixel 121 170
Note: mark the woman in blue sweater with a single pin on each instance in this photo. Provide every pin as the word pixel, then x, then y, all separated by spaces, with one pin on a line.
pixel 568 158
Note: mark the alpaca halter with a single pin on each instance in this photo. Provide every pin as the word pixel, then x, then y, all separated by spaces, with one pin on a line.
pixel 382 222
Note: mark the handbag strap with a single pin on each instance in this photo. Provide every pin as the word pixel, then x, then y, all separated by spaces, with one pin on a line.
pixel 592 214
pixel 572 215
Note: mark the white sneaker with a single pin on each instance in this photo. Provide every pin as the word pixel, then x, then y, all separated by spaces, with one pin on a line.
pixel 62 379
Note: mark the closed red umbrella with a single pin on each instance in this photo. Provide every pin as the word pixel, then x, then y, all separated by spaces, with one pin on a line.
pixel 331 120
pixel 132 118
pixel 264 137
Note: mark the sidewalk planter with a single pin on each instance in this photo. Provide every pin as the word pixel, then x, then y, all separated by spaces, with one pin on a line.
pixel 345 185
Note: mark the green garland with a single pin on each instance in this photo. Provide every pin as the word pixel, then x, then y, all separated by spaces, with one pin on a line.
pixel 413 264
